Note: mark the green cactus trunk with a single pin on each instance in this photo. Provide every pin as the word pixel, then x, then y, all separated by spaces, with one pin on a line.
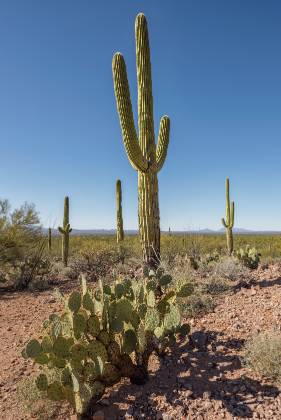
pixel 65 249
pixel 229 241
pixel 119 227
pixel 149 217
pixel 50 239
pixel 143 154
pixel 228 223
pixel 65 230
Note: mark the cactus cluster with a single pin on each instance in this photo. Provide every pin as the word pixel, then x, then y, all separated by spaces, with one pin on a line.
pixel 143 154
pixel 228 222
pixel 105 334
pixel 65 230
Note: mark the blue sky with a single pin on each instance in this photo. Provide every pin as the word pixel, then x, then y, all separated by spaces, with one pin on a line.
pixel 216 69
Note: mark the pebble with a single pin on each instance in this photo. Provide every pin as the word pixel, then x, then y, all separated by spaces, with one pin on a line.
pixel 188 393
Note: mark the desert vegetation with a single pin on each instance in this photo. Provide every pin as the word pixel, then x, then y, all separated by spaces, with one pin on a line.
pixel 133 326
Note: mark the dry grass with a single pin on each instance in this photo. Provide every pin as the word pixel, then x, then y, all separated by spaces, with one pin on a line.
pixel 263 355
pixel 215 286
pixel 32 402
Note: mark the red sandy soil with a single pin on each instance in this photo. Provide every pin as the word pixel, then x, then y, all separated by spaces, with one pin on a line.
pixel 200 380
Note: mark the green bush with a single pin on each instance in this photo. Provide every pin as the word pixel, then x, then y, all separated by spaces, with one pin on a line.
pixel 21 244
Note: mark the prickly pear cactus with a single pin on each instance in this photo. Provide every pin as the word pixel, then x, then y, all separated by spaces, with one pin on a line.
pixel 105 334
pixel 74 344
pixel 249 257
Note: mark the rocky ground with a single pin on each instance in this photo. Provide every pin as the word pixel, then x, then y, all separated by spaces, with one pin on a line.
pixel 203 379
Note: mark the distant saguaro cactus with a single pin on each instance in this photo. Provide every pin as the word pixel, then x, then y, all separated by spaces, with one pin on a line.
pixel 65 231
pixel 228 223
pixel 119 230
pixel 49 239
pixel 143 154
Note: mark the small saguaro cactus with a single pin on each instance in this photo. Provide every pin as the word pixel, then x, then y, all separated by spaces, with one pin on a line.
pixel 143 154
pixel 49 239
pixel 228 223
pixel 119 230
pixel 65 231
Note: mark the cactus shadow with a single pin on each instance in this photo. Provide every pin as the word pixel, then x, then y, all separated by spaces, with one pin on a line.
pixel 270 282
pixel 208 374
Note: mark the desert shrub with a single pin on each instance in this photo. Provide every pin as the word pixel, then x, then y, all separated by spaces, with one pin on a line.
pixel 215 285
pixel 21 244
pixel 95 264
pixel 229 268
pixel 198 304
pixel 61 272
pixel 105 334
pixel 249 257
pixel 33 273
pixel 263 355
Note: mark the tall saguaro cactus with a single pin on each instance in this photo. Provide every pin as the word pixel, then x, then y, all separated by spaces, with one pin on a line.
pixel 119 230
pixel 65 231
pixel 143 154
pixel 228 222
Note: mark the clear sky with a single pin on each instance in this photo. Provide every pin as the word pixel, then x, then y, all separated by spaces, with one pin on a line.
pixel 216 69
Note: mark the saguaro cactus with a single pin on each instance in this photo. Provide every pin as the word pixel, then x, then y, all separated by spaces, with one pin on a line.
pixel 49 239
pixel 143 154
pixel 119 230
pixel 228 223
pixel 65 231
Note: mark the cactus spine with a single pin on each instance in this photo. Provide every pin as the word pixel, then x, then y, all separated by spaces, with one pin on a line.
pixel 228 223
pixel 50 239
pixel 120 230
pixel 65 231
pixel 143 154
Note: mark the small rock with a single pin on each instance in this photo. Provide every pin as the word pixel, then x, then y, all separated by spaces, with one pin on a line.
pixel 188 393
pixel 218 404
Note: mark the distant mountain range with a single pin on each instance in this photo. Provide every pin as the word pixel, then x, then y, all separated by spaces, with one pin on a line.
pixel 105 232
